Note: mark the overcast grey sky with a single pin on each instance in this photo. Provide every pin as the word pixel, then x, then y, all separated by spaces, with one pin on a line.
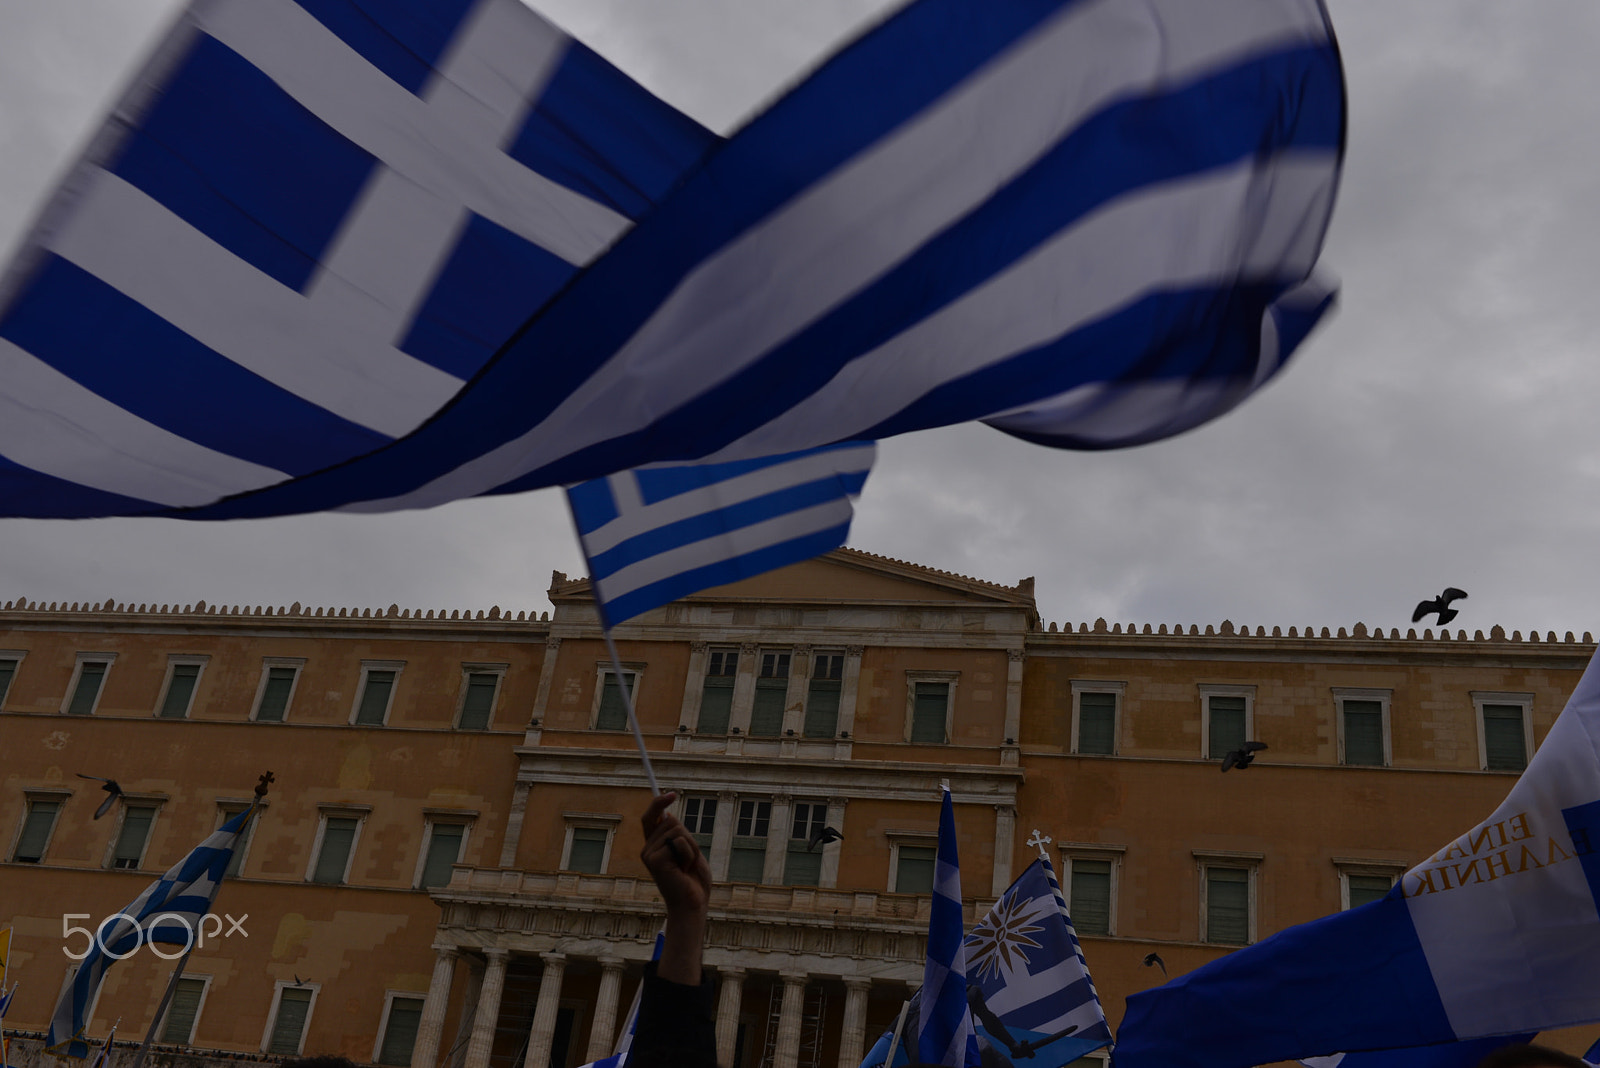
pixel 1437 431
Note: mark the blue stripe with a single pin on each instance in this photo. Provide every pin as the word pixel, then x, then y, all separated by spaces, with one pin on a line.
pixel 27 494
pixel 599 133
pixel 1463 1054
pixel 402 38
pixel 1583 826
pixel 656 484
pixel 593 505
pixel 112 345
pixel 725 520
pixel 239 159
pixel 1355 980
pixel 1054 1005
pixel 492 281
pixel 723 572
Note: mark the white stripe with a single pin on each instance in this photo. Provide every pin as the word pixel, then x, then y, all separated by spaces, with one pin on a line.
pixel 323 351
pixel 53 425
pixel 873 212
pixel 408 134
pixel 641 518
pixel 726 546
pixel 393 242
pixel 1104 262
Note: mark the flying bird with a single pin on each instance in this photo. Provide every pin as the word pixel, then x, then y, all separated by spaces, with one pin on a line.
pixel 113 790
pixel 822 837
pixel 1243 756
pixel 299 981
pixel 1440 604
pixel 1154 960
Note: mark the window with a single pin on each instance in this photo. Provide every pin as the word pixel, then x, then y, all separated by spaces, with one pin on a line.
pixel 336 841
pixel 929 696
pixel 286 1029
pixel 822 695
pixel 177 693
pixel 183 1011
pixel 376 694
pixel 716 695
pixel 748 861
pixel 36 828
pixel 588 846
pixel 478 692
pixel 1094 716
pixel 1363 726
pixel 241 846
pixel 133 835
pixel 611 711
pixel 1365 889
pixel 1090 880
pixel 1503 730
pixel 9 663
pixel 445 843
pixel 700 820
pixel 278 678
pixel 1227 898
pixel 912 865
pixel 772 692
pixel 803 865
pixel 398 1030
pixel 1226 713
pixel 83 695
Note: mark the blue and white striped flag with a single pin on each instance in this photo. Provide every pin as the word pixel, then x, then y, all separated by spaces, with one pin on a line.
pixel 1496 934
pixel 945 1035
pixel 660 533
pixel 168 912
pixel 1464 1054
pixel 1091 223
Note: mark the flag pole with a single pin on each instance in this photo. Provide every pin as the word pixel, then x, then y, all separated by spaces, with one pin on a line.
pixel 5 971
pixel 627 702
pixel 894 1041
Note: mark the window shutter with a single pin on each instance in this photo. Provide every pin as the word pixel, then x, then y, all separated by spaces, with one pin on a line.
pixel 180 688
pixel 444 849
pixel 1227 906
pixel 914 872
pixel 375 698
pixel 1227 725
pixel 136 822
pixel 1503 741
pixel 90 674
pixel 337 838
pixel 1097 716
pixel 802 867
pixel 1363 733
pixel 36 832
pixel 478 704
pixel 1091 897
pixel 766 714
pixel 928 711
pixel 275 695
pixel 1365 889
pixel 8 670
pixel 179 1028
pixel 613 715
pixel 822 708
pixel 294 1004
pixel 716 705
pixel 401 1033
pixel 588 851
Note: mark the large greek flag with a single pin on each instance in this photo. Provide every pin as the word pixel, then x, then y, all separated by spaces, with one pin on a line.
pixel 1498 933
pixel 168 912
pixel 660 533
pixel 275 281
pixel 946 1035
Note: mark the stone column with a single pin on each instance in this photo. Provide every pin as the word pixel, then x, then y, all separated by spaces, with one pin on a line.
pixel 488 1014
pixel 744 687
pixel 1010 749
pixel 601 1035
pixel 853 1034
pixel 1005 835
pixel 541 696
pixel 849 687
pixel 829 876
pixel 787 1054
pixel 778 829
pixel 544 1011
pixel 519 809
pixel 430 1028
pixel 729 1001
pixel 794 701
pixel 693 687
pixel 722 835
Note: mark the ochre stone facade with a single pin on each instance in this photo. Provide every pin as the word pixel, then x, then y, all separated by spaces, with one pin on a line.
pixel 529 953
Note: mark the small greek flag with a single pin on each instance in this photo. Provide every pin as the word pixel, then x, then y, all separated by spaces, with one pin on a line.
pixel 168 912
pixel 659 533
pixel 946 1035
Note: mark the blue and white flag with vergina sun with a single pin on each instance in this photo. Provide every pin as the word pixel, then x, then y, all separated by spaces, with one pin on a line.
pixel 1498 933
pixel 168 912
pixel 657 534
pixel 274 283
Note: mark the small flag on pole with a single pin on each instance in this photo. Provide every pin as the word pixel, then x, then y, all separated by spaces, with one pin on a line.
pixel 169 912
pixel 946 1035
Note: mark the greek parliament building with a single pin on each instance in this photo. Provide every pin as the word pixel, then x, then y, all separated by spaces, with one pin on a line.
pixel 446 871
